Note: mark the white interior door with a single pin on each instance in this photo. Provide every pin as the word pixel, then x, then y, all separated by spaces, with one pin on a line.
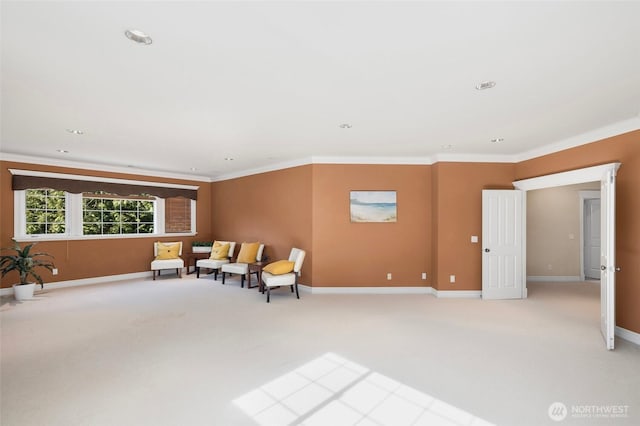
pixel 592 225
pixel 503 244
pixel 608 257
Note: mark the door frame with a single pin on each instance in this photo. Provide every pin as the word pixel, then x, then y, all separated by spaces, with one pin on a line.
pixel 571 177
pixel 584 196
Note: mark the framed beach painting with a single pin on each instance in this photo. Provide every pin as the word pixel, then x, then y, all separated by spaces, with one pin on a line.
pixel 373 206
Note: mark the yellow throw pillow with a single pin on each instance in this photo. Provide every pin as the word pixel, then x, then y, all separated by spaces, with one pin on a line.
pixel 280 267
pixel 168 251
pixel 248 252
pixel 220 251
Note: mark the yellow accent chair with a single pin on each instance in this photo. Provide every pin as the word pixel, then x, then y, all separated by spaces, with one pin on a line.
pixel 167 256
pixel 249 253
pixel 278 278
pixel 214 262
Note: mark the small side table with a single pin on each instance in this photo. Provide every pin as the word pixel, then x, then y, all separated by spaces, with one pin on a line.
pixel 257 268
pixel 194 257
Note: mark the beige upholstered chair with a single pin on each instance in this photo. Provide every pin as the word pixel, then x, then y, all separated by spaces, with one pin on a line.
pixel 241 268
pixel 215 264
pixel 167 256
pixel 288 279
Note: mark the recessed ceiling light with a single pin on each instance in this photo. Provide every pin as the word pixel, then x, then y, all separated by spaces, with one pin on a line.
pixel 62 151
pixel 345 126
pixel 486 85
pixel 75 131
pixel 228 159
pixel 193 169
pixel 138 36
pixel 448 146
pixel 497 140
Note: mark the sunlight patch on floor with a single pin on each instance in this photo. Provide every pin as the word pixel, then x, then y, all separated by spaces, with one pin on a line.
pixel 333 390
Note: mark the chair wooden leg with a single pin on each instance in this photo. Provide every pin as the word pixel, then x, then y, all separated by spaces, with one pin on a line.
pixel 154 275
pixel 197 272
pixel 242 281
pixel 268 294
pixel 223 274
pixel 179 272
pixel 215 274
pixel 296 284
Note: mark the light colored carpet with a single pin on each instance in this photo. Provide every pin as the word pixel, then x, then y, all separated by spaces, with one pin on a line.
pixel 194 352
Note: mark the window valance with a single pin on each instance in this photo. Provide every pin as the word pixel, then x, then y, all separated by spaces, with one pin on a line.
pixel 76 184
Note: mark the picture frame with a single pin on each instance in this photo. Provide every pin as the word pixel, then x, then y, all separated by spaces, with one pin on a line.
pixel 373 206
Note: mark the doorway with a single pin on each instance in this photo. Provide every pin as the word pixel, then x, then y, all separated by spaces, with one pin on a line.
pixel 606 173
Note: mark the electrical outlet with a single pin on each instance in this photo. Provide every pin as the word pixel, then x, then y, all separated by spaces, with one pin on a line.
pixel 389 276
pixel 54 271
pixel 452 278
pixel 474 238
pixel 424 275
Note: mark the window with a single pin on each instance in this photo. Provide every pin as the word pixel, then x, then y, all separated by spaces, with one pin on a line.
pixel 58 206
pixel 104 215
pixel 45 211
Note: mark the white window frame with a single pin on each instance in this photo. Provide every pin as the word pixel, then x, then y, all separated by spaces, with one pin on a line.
pixel 74 219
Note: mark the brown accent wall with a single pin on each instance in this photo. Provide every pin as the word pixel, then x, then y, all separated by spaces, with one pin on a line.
pixel 457 205
pixel 77 259
pixel 361 254
pixel 625 149
pixel 273 208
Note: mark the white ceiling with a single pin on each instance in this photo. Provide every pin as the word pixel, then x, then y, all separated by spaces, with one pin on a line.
pixel 269 83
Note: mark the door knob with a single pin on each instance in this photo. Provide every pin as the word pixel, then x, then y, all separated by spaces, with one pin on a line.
pixel 487 250
pixel 603 268
pixel 618 269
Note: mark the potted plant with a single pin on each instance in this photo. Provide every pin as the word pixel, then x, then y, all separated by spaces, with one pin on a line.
pixel 201 246
pixel 26 264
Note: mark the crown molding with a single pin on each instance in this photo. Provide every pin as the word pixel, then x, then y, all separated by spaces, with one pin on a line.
pixel 417 160
pixel 474 158
pixel 270 168
pixel 98 167
pixel 595 135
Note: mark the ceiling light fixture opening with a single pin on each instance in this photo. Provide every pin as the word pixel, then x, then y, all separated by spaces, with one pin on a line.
pixel 497 140
pixel 486 85
pixel 228 159
pixel 62 151
pixel 138 36
pixel 448 146
pixel 345 126
pixel 75 131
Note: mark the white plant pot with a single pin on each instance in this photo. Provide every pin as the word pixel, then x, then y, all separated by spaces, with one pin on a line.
pixel 23 292
pixel 201 249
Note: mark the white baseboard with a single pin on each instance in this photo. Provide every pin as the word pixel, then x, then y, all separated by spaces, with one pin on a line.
pixel 629 335
pixel 470 294
pixel 457 294
pixel 558 278
pixel 84 281
pixel 365 290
